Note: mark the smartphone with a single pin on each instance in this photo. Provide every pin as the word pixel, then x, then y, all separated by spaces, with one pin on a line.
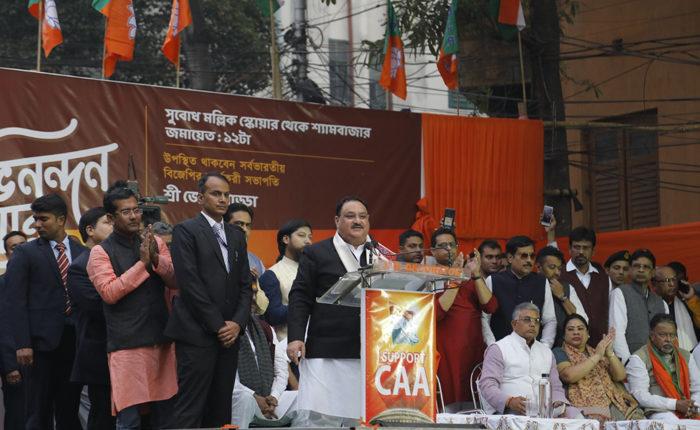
pixel 547 213
pixel 448 220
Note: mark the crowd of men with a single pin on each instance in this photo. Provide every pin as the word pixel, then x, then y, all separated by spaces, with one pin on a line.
pixel 184 327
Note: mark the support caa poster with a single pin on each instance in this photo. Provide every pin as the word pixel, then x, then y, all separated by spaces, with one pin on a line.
pixel 398 349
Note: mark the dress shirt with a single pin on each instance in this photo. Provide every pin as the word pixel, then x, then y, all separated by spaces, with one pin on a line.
pixel 617 317
pixel 638 378
pixel 66 242
pixel 549 318
pixel 223 247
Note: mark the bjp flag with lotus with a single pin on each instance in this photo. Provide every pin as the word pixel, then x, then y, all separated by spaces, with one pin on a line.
pixel 393 76
pixel 120 32
pixel 47 13
pixel 180 18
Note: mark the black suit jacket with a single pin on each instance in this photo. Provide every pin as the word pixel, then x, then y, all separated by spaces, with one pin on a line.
pixel 90 365
pixel 35 295
pixel 8 352
pixel 208 294
pixel 334 331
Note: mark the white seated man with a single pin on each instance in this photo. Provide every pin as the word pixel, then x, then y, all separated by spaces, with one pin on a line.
pixel 259 395
pixel 514 365
pixel 661 376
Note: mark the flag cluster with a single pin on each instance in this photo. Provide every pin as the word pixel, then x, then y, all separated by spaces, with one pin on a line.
pixel 120 29
pixel 509 15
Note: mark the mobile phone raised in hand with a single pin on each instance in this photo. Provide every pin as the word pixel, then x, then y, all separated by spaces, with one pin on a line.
pixel 448 220
pixel 547 213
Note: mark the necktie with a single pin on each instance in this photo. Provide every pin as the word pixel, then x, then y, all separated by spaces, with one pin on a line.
pixel 221 238
pixel 62 261
pixel 220 235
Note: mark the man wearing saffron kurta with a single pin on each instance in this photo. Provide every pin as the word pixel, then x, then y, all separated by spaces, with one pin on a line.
pixel 662 377
pixel 130 270
pixel 458 309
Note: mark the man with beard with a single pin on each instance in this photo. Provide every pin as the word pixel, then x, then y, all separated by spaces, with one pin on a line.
pixel 683 308
pixel 130 270
pixel 662 377
pixel 410 247
pixel 516 285
pixel 277 281
pixel 617 267
pixel 633 305
pixel 329 355
pixel 458 314
pixel 490 251
pixel 592 285
pixel 41 317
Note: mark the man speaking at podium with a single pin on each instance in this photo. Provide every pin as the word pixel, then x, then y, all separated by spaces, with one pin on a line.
pixel 330 379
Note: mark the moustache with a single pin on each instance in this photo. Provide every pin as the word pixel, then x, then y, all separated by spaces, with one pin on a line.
pixel 357 226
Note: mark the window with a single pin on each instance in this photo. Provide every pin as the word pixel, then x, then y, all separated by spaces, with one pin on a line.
pixel 623 173
pixel 377 95
pixel 455 99
pixel 338 70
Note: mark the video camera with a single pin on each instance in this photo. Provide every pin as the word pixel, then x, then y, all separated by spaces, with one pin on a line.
pixel 148 204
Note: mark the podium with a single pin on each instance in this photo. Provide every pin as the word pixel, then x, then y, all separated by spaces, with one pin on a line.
pixel 398 350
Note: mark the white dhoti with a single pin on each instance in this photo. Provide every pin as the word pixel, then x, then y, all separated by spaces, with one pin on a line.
pixel 330 387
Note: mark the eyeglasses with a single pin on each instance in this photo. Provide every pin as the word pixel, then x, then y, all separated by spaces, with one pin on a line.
pixel 665 281
pixel 127 212
pixel 526 256
pixel 528 320
pixel 448 245
pixel 642 266
pixel 669 336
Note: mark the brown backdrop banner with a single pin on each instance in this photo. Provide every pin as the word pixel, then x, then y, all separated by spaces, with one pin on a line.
pixel 286 160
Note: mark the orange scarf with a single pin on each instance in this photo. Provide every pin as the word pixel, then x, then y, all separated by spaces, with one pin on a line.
pixel 673 389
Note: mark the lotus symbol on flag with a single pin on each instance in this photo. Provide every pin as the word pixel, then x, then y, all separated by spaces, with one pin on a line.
pixel 132 22
pixel 395 61
pixel 51 15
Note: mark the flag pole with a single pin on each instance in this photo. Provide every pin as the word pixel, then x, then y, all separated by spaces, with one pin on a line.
pixel 274 57
pixel 177 65
pixel 522 72
pixel 104 49
pixel 38 39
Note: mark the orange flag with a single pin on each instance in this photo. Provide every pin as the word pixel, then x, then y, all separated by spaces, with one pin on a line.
pixel 180 18
pixel 51 35
pixel 120 33
pixel 393 76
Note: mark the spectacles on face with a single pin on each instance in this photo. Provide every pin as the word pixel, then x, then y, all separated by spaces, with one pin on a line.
pixel 669 336
pixel 528 320
pixel 639 266
pixel 526 256
pixel 665 281
pixel 127 212
pixel 446 245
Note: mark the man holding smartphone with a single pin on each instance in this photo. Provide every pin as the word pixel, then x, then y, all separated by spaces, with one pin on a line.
pixel 683 305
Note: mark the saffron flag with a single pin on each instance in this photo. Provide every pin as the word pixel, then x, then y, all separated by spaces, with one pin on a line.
pixel 448 63
pixel 180 18
pixel 510 12
pixel 393 76
pixel 120 32
pixel 509 17
pixel 51 35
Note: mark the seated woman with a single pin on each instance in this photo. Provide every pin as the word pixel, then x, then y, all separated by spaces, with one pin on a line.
pixel 592 376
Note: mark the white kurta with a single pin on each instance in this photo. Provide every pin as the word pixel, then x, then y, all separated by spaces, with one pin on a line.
pixel 638 379
pixel 331 387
